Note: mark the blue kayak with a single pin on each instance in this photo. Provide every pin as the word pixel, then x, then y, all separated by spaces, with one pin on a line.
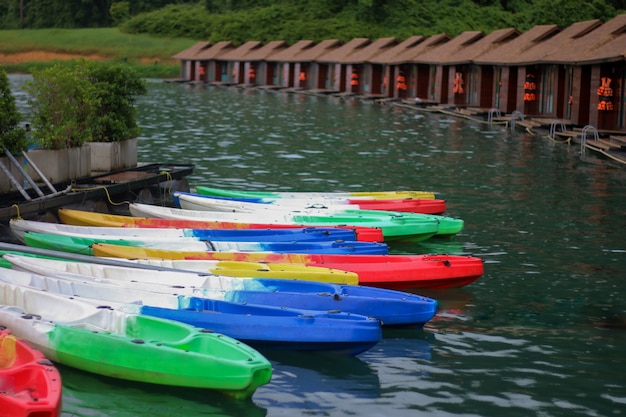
pixel 82 245
pixel 257 325
pixel 392 308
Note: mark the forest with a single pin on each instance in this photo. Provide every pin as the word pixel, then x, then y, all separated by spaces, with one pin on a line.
pixel 291 20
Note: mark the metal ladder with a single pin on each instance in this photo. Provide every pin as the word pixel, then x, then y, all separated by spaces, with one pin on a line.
pixel 583 137
pixel 514 116
pixel 553 125
pixel 493 112
pixel 27 177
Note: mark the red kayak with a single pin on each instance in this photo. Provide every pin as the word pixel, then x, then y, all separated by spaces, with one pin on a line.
pixel 30 385
pixel 398 272
pixel 407 205
pixel 85 218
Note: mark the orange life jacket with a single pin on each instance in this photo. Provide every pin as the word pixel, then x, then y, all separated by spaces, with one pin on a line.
pixel 458 83
pixel 252 73
pixel 401 85
pixel 529 88
pixel 355 79
pixel 302 76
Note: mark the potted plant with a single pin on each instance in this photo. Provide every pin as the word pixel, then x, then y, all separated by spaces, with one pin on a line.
pixel 114 128
pixel 12 135
pixel 63 102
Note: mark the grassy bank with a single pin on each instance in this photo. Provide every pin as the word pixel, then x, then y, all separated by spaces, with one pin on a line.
pixel 152 56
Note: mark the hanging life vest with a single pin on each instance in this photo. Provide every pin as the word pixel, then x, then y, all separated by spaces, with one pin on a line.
pixel 355 79
pixel 529 88
pixel 401 84
pixel 302 76
pixel 458 83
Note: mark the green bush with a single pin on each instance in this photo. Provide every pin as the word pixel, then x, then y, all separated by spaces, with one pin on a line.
pixel 12 136
pixel 63 102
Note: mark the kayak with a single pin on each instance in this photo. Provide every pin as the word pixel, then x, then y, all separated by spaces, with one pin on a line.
pixel 383 271
pixel 409 205
pixel 87 218
pixel 403 227
pixel 371 195
pixel 310 234
pixel 81 244
pixel 127 346
pixel 188 201
pixel 259 326
pixel 30 385
pixel 240 269
pixel 391 307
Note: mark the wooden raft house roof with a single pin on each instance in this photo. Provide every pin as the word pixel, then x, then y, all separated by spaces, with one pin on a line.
pixel 428 44
pixel 467 54
pixel 266 51
pixel 448 49
pixel 388 55
pixel 320 49
pixel 289 54
pixel 215 51
pixel 240 53
pixel 339 54
pixel 369 51
pixel 605 43
pixel 506 54
pixel 190 53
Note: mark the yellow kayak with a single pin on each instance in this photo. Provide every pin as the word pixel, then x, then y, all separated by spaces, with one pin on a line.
pixel 240 269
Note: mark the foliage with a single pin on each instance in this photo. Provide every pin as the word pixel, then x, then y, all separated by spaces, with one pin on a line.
pixel 116 87
pixel 63 101
pixel 12 136
pixel 84 101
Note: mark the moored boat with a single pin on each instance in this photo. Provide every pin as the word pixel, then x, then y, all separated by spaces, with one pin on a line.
pixel 260 326
pixel 311 234
pixel 404 227
pixel 82 244
pixel 448 226
pixel 87 218
pixel 130 346
pixel 388 306
pixel 409 205
pixel 30 384
pixel 385 271
pixel 372 195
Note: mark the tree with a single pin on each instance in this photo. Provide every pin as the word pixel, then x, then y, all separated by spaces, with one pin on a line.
pixel 116 88
pixel 12 136
pixel 63 101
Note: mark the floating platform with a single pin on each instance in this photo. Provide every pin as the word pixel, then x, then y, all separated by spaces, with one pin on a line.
pixel 149 183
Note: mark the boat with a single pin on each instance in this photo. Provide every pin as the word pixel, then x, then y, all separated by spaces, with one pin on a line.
pixel 391 307
pixel 259 326
pixel 239 269
pixel 409 205
pixel 448 226
pixel 399 272
pixel 126 184
pixel 82 244
pixel 360 195
pixel 88 218
pixel 308 234
pixel 134 347
pixel 30 384
pixel 400 227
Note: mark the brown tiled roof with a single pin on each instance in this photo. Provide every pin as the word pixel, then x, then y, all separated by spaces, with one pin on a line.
pixel 239 54
pixel 322 48
pixel 508 52
pixel 605 43
pixel 215 51
pixel 493 40
pixel 266 51
pixel 189 53
pixel 339 54
pixel 556 43
pixel 448 49
pixel 289 54
pixel 384 57
pixel 429 43
pixel 370 51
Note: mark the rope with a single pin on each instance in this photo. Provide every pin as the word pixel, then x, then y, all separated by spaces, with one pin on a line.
pixel 168 190
pixel 106 191
pixel 17 208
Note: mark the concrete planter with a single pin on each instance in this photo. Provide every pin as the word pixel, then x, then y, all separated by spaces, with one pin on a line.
pixel 62 164
pixel 113 156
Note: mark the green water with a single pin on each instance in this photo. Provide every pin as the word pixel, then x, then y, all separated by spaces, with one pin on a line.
pixel 542 333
